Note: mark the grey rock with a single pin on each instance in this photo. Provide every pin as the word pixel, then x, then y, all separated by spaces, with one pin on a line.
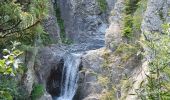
pixel 51 26
pixel 111 4
pixel 47 59
pixel 46 96
pixel 83 20
pixel 92 62
pixel 156 14
pixel 113 33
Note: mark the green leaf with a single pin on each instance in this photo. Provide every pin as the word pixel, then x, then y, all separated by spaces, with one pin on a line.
pixel 5 95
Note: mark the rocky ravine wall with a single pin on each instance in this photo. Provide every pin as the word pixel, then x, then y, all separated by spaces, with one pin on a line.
pixel 104 69
pixel 84 20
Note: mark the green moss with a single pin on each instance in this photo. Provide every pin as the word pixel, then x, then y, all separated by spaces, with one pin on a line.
pixel 102 5
pixel 37 91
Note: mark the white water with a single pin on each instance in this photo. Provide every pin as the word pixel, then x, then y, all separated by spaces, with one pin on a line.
pixel 70 78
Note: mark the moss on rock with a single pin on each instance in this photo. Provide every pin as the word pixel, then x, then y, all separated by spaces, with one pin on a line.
pixel 102 5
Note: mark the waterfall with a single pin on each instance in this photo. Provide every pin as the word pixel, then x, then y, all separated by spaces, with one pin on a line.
pixel 70 77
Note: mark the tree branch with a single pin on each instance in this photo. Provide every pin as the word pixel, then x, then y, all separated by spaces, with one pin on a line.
pixel 9 33
pixel 3 30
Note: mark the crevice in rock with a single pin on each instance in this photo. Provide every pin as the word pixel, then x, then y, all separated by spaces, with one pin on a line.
pixel 54 80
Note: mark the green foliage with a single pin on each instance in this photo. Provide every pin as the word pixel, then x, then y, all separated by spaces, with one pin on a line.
pixel 127 32
pixel 37 91
pixel 103 80
pixel 10 89
pixel 19 22
pixel 10 68
pixel 10 62
pixel 161 14
pixel 130 8
pixel 128 24
pixel 42 37
pixel 102 5
pixel 109 95
pixel 138 15
pixel 157 86
pixel 45 38
pixel 126 51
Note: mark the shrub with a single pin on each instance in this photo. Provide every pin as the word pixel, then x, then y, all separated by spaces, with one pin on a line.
pixel 127 32
pixel 10 68
pixel 157 84
pixel 37 91
pixel 126 51
pixel 128 24
pixel 130 8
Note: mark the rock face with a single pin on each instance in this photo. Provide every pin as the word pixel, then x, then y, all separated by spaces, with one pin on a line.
pixel 84 21
pixel 113 33
pixel 48 58
pixel 102 70
pixel 46 96
pixel 51 26
pixel 155 15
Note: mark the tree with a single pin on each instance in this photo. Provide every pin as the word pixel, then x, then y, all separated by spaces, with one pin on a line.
pixel 157 85
pixel 21 19
pixel 10 67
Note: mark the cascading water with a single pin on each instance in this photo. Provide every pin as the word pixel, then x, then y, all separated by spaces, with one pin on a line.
pixel 70 77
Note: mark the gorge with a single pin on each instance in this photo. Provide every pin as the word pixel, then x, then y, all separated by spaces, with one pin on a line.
pixel 88 49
